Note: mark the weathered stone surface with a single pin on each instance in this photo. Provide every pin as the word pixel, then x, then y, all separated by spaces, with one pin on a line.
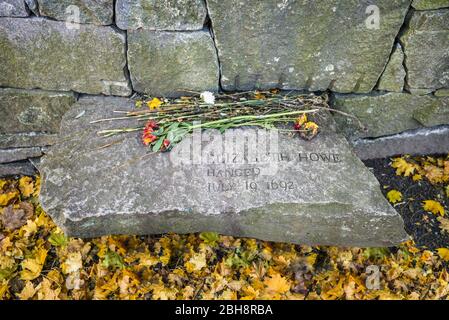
pixel 314 192
pixel 32 6
pixel 421 141
pixel 98 12
pixel 17 154
pixel 430 4
pixel 383 114
pixel 315 45
pixel 426 50
pixel 394 75
pixel 442 93
pixel 21 168
pixel 28 139
pixel 161 15
pixel 32 110
pixel 13 8
pixel 433 114
pixel 166 63
pixel 39 53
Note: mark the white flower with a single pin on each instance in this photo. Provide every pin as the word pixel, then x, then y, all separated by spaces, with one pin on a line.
pixel 208 97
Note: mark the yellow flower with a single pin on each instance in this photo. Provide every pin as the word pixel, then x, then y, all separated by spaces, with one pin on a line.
pixel 154 104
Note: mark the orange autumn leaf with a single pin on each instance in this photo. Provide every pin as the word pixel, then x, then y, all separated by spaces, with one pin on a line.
pixel 277 284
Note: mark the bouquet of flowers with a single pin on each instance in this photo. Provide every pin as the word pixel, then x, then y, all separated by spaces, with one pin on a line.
pixel 166 122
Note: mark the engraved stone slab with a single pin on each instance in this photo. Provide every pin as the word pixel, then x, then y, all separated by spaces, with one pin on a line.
pixel 246 182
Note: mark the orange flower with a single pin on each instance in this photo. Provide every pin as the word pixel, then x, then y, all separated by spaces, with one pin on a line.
pixel 148 139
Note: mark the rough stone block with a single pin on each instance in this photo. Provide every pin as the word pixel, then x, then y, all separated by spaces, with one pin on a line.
pixel 26 140
pixel 32 110
pixel 161 15
pixel 426 49
pixel 167 63
pixel 386 114
pixel 44 54
pixel 430 4
pixel 423 141
pixel 20 168
pixel 393 78
pixel 13 8
pixel 314 45
pixel 18 154
pixel 99 12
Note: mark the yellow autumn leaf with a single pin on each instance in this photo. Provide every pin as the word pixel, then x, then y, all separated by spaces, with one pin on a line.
pixel 5 198
pixel 277 284
pixel 394 196
pixel 26 186
pixel 447 191
pixel 196 262
pixel 3 288
pixel 2 184
pixel 154 104
pixel 27 292
pixel 443 253
pixel 32 267
pixel 403 167
pixel 46 292
pixel 433 206
pixel 37 186
pixel 29 229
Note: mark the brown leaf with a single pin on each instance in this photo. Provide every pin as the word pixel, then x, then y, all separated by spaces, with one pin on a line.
pixel 28 208
pixel 13 219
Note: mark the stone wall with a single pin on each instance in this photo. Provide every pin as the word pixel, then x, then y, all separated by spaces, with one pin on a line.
pixel 385 61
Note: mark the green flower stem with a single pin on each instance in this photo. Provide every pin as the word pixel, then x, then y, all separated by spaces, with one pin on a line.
pixel 243 118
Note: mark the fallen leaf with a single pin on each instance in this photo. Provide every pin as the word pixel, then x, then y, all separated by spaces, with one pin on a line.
pixel 443 253
pixel 403 167
pixel 46 292
pixel 32 267
pixel 433 206
pixel 277 284
pixel 27 292
pixel 58 239
pixel 394 196
pixel 196 262
pixel 5 198
pixel 73 263
pixel 13 219
pixel 26 186
pixel 444 224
